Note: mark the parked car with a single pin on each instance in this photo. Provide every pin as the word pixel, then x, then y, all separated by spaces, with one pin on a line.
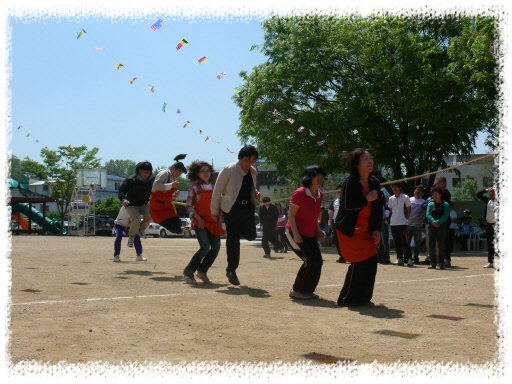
pixel 104 225
pixel 156 230
pixel 70 226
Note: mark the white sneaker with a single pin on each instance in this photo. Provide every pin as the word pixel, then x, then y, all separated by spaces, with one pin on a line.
pixel 140 258
pixel 116 259
pixel 410 263
pixel 202 276
pixel 298 295
pixel 130 243
pixel 489 265
pixel 398 262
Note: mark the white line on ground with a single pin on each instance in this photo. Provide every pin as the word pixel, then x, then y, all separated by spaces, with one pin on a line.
pixel 212 292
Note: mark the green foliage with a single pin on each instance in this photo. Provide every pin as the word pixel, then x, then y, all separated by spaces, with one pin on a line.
pixel 61 176
pixel 184 184
pixel 16 170
pixel 121 168
pixel 466 190
pixel 109 207
pixel 412 88
pixel 54 214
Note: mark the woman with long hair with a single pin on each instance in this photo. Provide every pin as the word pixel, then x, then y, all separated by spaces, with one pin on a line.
pixel 208 230
pixel 305 206
pixel 164 192
pixel 358 227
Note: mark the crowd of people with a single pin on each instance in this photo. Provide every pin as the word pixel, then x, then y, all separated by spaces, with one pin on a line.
pixel 359 218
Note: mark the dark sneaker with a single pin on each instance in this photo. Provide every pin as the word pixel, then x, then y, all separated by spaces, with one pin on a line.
pixel 231 275
pixel 341 260
pixel 117 259
pixel 189 278
pixel 203 277
pixel 416 260
pixel 441 266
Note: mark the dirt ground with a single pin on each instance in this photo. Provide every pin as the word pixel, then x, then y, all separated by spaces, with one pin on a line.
pixel 71 302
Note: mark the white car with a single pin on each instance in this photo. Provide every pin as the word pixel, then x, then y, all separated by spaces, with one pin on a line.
pixel 156 230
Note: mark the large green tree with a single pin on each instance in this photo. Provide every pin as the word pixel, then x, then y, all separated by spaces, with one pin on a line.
pixel 16 170
pixel 121 168
pixel 58 171
pixel 413 88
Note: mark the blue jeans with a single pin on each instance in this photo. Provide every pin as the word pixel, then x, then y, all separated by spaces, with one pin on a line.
pixel 209 247
pixel 417 233
pixel 119 237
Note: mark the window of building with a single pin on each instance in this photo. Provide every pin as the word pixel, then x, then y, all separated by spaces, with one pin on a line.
pixel 116 186
pixel 45 188
pixel 455 182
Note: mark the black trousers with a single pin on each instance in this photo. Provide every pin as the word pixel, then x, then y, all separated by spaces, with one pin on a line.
pixel 270 234
pixel 359 282
pixel 437 235
pixel 239 222
pixel 489 231
pixel 281 231
pixel 309 273
pixel 172 224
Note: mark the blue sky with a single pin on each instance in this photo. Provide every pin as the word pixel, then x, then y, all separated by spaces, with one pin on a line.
pixel 66 93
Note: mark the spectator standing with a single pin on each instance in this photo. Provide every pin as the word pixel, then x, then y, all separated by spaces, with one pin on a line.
pixel 438 213
pixel 415 222
pixel 490 218
pixel 281 228
pixel 333 213
pixel 269 215
pixel 447 197
pixel 235 194
pixel 383 249
pixel 134 193
pixel 400 210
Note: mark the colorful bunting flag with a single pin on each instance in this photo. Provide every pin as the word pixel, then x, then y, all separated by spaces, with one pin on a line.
pixel 495 50
pixel 320 142
pixel 475 27
pixel 28 135
pixel 19 127
pixel 82 32
pixel 163 108
pixel 301 129
pixel 178 111
pixel 239 89
pixel 230 151
pixel 220 75
pixel 259 100
pixel 201 60
pixel 311 133
pixel 181 44
pixel 207 137
pixel 46 147
pixel 200 132
pixel 131 81
pixel 152 88
pixel 98 49
pixel 291 120
pixel 332 149
pixel 156 26
pixel 275 113
pixel 119 65
pixel 37 141
pixel 187 123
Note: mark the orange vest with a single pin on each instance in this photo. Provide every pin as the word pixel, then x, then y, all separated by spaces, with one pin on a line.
pixel 202 208
pixel 160 204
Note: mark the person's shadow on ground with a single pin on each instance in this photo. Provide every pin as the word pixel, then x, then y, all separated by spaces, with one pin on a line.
pixel 245 290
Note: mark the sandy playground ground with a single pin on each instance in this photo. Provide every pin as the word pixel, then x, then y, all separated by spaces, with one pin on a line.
pixel 71 302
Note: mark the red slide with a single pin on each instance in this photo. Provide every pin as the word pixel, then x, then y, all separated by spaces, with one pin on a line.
pixel 20 219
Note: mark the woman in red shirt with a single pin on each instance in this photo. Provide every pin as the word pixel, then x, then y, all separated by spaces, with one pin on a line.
pixel 208 230
pixel 305 206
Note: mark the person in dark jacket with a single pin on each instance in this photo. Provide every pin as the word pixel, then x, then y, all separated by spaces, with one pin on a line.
pixel 134 193
pixel 268 219
pixel 358 227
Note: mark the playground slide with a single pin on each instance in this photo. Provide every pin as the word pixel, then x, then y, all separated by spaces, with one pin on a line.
pixel 21 220
pixel 37 217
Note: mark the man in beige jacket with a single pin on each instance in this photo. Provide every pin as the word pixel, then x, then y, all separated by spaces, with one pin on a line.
pixel 235 194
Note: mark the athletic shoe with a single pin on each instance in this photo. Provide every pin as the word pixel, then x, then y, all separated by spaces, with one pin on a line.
pixel 313 295
pixel 409 263
pixel 341 260
pixel 416 260
pixel 266 255
pixel 441 266
pixel 140 258
pixel 116 259
pixel 385 262
pixel 189 278
pixel 231 275
pixel 202 276
pixel 399 262
pixel 431 267
pixel 489 265
pixel 447 263
pixel 298 295
pixel 142 233
pixel 130 243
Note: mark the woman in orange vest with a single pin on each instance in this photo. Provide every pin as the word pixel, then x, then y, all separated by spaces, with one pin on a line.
pixel 208 230
pixel 164 192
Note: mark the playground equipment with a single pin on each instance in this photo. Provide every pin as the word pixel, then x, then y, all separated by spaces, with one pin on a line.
pixel 53 226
